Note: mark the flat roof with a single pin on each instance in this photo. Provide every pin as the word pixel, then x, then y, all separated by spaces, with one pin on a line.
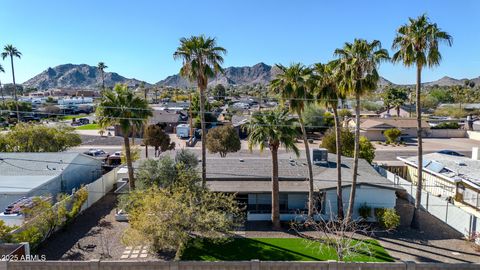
pixel 254 174
pixel 452 167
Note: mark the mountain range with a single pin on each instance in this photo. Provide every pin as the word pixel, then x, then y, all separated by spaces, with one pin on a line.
pixel 88 77
pixel 76 76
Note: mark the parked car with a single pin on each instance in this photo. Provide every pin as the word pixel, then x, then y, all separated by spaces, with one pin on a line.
pixel 96 153
pixel 451 153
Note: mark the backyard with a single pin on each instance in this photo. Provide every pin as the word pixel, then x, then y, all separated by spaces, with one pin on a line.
pixel 275 249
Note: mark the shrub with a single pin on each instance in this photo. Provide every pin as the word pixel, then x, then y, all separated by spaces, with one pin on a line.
pixel 392 135
pixel 387 217
pixel 447 125
pixel 365 211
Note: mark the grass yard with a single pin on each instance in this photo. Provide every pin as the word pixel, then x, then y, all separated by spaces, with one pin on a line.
pixel 88 127
pixel 274 249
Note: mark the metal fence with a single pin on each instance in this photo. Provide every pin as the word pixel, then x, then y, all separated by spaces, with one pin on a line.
pixel 462 221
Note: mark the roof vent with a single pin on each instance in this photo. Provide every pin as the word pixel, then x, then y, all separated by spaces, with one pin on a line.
pixel 241 160
pixel 319 155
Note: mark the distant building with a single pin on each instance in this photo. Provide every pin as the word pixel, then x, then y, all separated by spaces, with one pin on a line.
pixel 250 179
pixel 373 128
pixel 35 174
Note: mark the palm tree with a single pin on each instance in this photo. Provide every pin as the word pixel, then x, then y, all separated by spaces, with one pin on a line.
pixel 292 84
pixel 202 59
pixel 417 44
pixel 1 89
pixel 101 67
pixel 357 74
pixel 327 92
pixel 10 51
pixel 123 108
pixel 272 129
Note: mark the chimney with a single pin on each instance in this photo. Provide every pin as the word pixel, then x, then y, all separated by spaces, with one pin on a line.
pixel 475 153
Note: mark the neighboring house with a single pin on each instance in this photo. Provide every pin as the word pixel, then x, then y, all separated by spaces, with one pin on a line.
pixel 238 123
pixel 373 128
pixel 35 174
pixel 449 176
pixel 402 112
pixel 366 114
pixel 250 179
pixel 166 118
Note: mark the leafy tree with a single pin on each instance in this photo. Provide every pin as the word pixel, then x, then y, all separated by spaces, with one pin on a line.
pixel 356 67
pixel 209 114
pixel 293 84
pixel 101 67
pixel 186 157
pixel 159 173
pixel 219 92
pixel 167 219
pixel 328 94
pixel 442 95
pixel 315 118
pixel 155 136
pixel 223 140
pixel 394 97
pixel 10 51
pixel 38 138
pixel 202 59
pixel 417 44
pixel 347 138
pixel 272 129
pixel 121 107
pixel 344 113
pixel 11 105
pixel 392 134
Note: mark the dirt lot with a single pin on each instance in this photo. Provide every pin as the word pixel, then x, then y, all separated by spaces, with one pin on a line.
pixel 93 235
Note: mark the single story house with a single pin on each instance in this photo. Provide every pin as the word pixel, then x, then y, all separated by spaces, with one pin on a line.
pixel 48 174
pixel 250 179
pixel 447 176
pixel 373 128
pixel 166 118
pixel 403 112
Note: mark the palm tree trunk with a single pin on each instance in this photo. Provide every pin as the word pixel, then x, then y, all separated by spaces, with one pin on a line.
pixel 128 157
pixel 275 190
pixel 1 91
pixel 309 163
pixel 204 134
pixel 15 89
pixel 351 202
pixel 415 223
pixel 398 111
pixel 339 164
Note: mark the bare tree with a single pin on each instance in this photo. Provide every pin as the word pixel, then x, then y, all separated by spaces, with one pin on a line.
pixel 348 237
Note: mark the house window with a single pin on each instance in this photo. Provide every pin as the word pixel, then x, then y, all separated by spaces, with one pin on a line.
pixel 262 203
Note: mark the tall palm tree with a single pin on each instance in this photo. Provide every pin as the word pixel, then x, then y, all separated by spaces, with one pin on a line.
pixel 357 74
pixel 101 67
pixel 328 94
pixel 1 88
pixel 292 84
pixel 123 108
pixel 417 44
pixel 11 51
pixel 273 129
pixel 202 59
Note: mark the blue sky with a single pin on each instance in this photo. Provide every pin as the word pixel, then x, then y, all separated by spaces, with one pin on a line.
pixel 137 38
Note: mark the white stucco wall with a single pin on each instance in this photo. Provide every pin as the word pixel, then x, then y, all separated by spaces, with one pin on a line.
pixel 374 197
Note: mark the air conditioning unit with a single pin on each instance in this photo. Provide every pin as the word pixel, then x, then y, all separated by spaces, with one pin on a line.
pixel 319 156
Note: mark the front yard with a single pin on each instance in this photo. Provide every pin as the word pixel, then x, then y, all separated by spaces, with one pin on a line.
pixel 274 249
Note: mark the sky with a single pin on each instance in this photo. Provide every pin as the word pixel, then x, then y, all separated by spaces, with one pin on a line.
pixel 137 38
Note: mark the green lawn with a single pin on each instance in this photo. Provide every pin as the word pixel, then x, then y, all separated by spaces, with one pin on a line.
pixel 70 117
pixel 88 127
pixel 274 249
